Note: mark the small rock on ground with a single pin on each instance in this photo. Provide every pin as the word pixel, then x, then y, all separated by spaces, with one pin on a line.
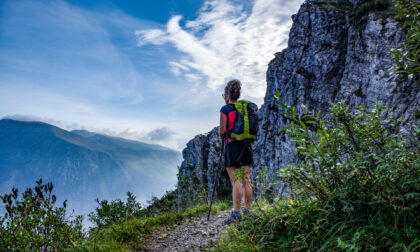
pixel 193 234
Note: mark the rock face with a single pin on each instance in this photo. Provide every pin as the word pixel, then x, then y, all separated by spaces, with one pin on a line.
pixel 330 59
pixel 198 171
pixel 331 56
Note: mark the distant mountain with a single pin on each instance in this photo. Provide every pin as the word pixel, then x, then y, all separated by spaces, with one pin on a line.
pixel 82 165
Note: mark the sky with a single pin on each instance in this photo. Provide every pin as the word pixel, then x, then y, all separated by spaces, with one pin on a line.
pixel 152 71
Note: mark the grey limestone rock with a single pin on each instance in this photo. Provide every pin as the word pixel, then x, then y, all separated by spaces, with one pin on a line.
pixel 198 171
pixel 330 59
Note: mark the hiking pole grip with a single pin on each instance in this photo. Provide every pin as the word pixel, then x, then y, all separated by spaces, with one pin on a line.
pixel 215 181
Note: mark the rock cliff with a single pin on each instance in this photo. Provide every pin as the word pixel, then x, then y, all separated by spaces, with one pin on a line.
pixel 334 53
pixel 199 169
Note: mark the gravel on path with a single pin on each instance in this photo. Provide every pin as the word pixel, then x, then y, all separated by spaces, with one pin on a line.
pixel 193 234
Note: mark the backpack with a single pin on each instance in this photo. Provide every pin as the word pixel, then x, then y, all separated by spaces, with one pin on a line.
pixel 246 124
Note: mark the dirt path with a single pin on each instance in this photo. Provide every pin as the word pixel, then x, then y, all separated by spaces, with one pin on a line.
pixel 193 234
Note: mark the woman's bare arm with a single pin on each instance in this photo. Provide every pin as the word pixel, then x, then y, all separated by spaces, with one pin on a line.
pixel 222 127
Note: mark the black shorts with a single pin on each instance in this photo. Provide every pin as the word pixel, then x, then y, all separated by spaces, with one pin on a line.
pixel 238 154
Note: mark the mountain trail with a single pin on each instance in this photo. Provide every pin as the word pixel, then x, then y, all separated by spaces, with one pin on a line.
pixel 193 234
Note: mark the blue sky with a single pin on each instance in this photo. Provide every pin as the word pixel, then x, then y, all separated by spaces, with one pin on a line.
pixel 151 71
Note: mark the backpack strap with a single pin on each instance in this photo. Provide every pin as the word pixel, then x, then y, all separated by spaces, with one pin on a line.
pixel 227 139
pixel 229 132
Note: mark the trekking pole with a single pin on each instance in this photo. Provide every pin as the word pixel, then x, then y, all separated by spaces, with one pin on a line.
pixel 215 181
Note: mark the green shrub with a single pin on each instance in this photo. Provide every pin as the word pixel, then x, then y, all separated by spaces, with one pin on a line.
pixel 340 5
pixel 166 203
pixel 32 222
pixel 407 57
pixel 359 14
pixel 116 211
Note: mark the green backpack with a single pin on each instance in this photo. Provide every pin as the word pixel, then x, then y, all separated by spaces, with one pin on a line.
pixel 246 123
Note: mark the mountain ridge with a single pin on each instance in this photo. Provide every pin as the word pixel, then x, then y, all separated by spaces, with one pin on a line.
pixel 86 133
pixel 83 165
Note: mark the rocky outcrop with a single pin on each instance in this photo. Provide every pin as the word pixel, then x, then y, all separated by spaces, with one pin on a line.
pixel 332 55
pixel 329 58
pixel 198 171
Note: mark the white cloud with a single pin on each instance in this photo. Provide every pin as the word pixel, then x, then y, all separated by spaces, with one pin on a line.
pixel 71 50
pixel 159 134
pixel 155 36
pixel 163 136
pixel 156 135
pixel 225 42
pixel 29 118
pixel 176 67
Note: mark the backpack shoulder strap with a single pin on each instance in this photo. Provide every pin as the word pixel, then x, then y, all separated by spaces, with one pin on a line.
pixel 241 105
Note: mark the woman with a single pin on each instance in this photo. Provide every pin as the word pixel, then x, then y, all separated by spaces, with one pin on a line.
pixel 238 155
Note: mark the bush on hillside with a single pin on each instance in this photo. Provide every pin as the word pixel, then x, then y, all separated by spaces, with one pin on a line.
pixel 166 203
pixel 32 222
pixel 107 213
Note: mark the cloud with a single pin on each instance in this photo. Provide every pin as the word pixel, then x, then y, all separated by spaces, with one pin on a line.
pixel 176 67
pixel 225 42
pixel 29 118
pixel 162 135
pixel 71 50
pixel 159 134
pixel 155 35
pixel 32 118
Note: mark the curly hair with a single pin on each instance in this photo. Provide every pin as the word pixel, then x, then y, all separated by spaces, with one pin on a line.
pixel 233 89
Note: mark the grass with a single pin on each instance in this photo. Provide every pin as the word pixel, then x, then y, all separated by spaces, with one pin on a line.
pixel 358 14
pixel 131 235
pixel 342 5
pixel 305 226
pixel 273 227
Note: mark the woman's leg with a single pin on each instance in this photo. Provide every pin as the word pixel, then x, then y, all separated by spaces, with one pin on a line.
pixel 236 189
pixel 247 187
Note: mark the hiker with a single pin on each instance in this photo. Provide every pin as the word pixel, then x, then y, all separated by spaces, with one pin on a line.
pixel 238 154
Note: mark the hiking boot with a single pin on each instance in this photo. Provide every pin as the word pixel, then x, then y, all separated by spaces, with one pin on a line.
pixel 234 217
pixel 247 212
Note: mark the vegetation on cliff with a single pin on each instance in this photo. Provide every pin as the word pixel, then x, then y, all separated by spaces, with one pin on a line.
pixel 356 187
pixel 407 57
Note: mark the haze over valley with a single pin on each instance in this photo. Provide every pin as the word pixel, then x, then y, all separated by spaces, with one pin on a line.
pixel 83 165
